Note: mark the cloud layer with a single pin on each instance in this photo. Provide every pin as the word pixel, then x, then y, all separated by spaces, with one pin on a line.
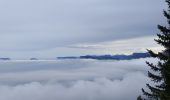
pixel 37 25
pixel 126 46
pixel 119 46
pixel 72 80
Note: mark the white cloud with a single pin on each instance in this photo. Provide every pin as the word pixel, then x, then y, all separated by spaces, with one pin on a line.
pixel 120 46
pixel 72 80
pixel 99 89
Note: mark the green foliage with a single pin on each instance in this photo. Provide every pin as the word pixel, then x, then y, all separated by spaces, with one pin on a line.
pixel 160 74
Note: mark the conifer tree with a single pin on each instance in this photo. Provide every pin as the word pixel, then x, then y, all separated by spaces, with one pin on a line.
pixel 139 98
pixel 160 73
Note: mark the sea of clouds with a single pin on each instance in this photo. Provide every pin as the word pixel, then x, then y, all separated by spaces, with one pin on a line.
pixel 73 79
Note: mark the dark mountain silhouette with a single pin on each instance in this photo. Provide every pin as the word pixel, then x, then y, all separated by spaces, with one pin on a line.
pixel 110 57
pixel 5 59
pixel 33 59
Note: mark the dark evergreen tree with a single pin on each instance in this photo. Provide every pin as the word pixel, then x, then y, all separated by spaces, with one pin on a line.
pixel 160 74
pixel 139 98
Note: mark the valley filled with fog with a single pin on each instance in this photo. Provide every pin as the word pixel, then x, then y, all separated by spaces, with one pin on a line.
pixel 72 79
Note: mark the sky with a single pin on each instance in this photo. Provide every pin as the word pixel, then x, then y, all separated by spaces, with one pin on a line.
pixel 51 28
pixel 73 79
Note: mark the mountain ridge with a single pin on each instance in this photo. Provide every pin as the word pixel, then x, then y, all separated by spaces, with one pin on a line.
pixel 110 57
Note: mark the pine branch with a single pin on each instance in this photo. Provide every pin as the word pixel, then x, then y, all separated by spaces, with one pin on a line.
pixel 155 91
pixel 161 86
pixel 162 56
pixel 163 29
pixel 165 43
pixel 163 37
pixel 140 98
pixel 161 65
pixel 146 93
pixel 166 14
pixel 152 53
pixel 168 2
pixel 154 77
pixel 149 95
pixel 153 67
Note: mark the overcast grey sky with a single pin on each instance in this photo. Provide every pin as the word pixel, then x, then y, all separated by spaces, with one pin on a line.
pixel 50 28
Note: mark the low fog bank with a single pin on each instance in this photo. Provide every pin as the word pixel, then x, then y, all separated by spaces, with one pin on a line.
pixel 72 79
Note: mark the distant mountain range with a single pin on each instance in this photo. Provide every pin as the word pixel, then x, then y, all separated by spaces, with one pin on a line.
pixel 101 57
pixel 5 59
pixel 110 57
